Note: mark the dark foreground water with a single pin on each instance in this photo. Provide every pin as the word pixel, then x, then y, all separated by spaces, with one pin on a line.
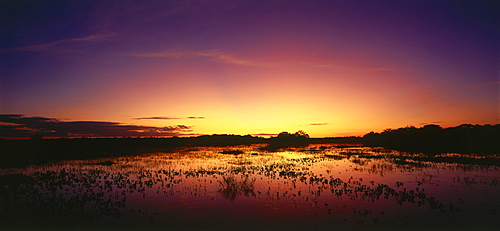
pixel 319 187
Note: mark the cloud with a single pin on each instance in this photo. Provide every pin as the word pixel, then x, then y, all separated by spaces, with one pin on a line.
pixel 319 124
pixel 214 54
pixel 168 118
pixel 16 125
pixel 384 69
pixel 54 46
pixel 265 134
pixel 157 118
pixel 436 122
pixel 224 57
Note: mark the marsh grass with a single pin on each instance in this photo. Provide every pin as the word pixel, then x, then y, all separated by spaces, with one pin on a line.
pixel 230 187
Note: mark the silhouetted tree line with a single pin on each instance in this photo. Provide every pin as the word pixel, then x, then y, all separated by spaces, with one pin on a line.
pixel 38 150
pixel 433 139
pixel 286 139
pixel 430 139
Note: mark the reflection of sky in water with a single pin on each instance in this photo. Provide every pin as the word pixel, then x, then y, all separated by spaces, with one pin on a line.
pixel 316 187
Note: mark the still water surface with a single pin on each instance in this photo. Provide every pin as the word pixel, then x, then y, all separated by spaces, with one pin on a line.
pixel 318 187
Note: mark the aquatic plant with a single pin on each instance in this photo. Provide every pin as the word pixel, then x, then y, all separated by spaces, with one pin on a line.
pixel 230 187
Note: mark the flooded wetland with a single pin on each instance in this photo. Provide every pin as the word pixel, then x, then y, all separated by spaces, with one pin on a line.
pixel 315 187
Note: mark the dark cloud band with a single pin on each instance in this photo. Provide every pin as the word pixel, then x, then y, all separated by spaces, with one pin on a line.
pixel 168 118
pixel 157 118
pixel 16 125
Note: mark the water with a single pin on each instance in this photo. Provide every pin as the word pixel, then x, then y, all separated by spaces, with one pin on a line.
pixel 318 187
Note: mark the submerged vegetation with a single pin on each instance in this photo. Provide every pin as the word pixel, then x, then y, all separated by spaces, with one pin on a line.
pixel 315 187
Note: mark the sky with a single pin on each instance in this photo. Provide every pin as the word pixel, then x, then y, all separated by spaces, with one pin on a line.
pixel 185 68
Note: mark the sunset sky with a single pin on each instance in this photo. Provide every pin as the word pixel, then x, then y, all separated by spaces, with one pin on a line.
pixel 163 68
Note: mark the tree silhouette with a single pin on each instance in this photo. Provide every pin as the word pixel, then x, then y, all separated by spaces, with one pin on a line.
pixel 297 134
pixel 433 139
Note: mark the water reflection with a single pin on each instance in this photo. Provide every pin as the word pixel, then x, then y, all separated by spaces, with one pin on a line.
pixel 230 187
pixel 315 187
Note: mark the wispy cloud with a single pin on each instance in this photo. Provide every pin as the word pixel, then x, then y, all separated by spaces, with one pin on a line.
pixel 265 134
pixel 428 95
pixel 169 118
pixel 435 122
pixel 225 57
pixel 54 46
pixel 158 118
pixel 217 55
pixel 15 125
pixel 318 124
pixel 383 69
pixel 229 58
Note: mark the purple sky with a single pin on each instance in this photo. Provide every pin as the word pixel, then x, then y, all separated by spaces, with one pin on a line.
pixel 331 68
